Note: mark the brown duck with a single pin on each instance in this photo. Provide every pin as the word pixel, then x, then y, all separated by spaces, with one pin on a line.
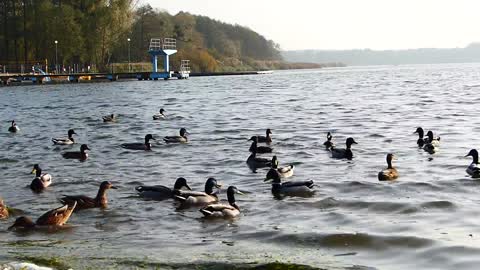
pixel 85 202
pixel 56 217
pixel 3 210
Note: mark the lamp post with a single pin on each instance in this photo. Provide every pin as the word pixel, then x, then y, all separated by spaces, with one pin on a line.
pixel 129 67
pixel 56 56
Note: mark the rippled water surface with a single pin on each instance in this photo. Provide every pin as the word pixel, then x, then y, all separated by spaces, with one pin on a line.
pixel 427 219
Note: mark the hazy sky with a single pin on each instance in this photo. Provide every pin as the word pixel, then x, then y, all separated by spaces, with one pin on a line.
pixel 346 24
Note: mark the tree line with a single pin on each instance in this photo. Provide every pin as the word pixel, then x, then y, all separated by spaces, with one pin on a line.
pixel 101 32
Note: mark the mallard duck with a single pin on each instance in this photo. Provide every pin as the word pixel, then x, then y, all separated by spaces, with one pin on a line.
pixel 160 115
pixel 140 146
pixel 344 153
pixel 109 118
pixel 431 144
pixel 421 140
pixel 14 128
pixel 297 188
pixel 82 155
pixel 255 162
pixel 328 143
pixel 390 173
pixel 65 141
pixel 41 181
pixel 162 192
pixel 195 198
pixel 3 210
pixel 284 172
pixel 474 168
pixel 265 139
pixel 84 202
pixel 230 210
pixel 56 217
pixel 177 139
pixel 258 149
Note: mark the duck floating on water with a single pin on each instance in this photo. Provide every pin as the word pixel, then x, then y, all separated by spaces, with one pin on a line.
pixel 13 128
pixel 41 181
pixel 65 141
pixel 85 202
pixel 160 115
pixel 284 172
pixel 431 143
pixel 473 169
pixel 328 143
pixel 265 139
pixel 82 155
pixel 177 139
pixel 162 192
pixel 255 162
pixel 390 173
pixel 196 198
pixel 3 210
pixel 291 188
pixel 230 210
pixel 56 217
pixel 344 153
pixel 258 149
pixel 109 118
pixel 140 146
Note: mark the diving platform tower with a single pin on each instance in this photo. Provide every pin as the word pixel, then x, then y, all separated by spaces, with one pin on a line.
pixel 161 47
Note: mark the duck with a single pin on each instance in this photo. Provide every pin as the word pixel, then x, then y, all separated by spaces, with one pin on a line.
pixel 431 143
pixel 13 128
pixel 177 139
pixel 290 188
pixel 421 140
pixel 284 172
pixel 160 115
pixel 109 118
pixel 328 143
pixel 265 139
pixel 389 173
pixel 474 169
pixel 56 217
pixel 82 155
pixel 41 181
pixel 256 162
pixel 65 141
pixel 258 149
pixel 229 210
pixel 3 210
pixel 195 198
pixel 162 192
pixel 344 153
pixel 85 202
pixel 140 146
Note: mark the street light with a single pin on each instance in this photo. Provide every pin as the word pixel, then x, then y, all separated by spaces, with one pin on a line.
pixel 56 56
pixel 129 67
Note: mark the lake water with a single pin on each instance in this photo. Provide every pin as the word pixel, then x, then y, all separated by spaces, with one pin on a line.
pixel 427 219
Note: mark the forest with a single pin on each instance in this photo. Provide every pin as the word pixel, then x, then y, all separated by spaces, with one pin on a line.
pixel 99 33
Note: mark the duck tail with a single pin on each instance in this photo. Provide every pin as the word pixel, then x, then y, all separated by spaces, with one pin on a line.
pixel 139 188
pixel 55 141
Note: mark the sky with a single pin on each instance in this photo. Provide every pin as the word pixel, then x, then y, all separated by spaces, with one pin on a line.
pixel 346 24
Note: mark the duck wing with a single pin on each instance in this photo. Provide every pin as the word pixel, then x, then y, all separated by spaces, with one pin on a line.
pixel 82 202
pixel 291 184
pixel 155 192
pixel 217 208
pixel 134 146
pixel 174 139
pixel 264 149
pixel 339 152
pixel 158 116
pixel 58 216
pixel 72 155
pixel 62 141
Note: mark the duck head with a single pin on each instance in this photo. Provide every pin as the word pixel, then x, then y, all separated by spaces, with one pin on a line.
pixel 13 123
pixel 231 191
pixel 390 157
pixel 420 132
pixel 211 184
pixel 268 132
pixel 274 162
pixel 84 148
pixel 148 137
pixel 71 132
pixel 430 136
pixel 36 170
pixel 180 183
pixel 22 222
pixel 349 142
pixel 474 154
pixel 162 111
pixel 107 185
pixel 274 176
pixel 183 132
pixel 329 136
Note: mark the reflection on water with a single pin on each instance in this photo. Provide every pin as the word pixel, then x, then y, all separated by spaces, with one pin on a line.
pixel 427 219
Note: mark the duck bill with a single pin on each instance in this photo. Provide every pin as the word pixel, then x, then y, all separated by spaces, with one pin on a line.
pixel 114 187
pixel 239 192
pixel 267 179
pixel 34 171
pixel 218 185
